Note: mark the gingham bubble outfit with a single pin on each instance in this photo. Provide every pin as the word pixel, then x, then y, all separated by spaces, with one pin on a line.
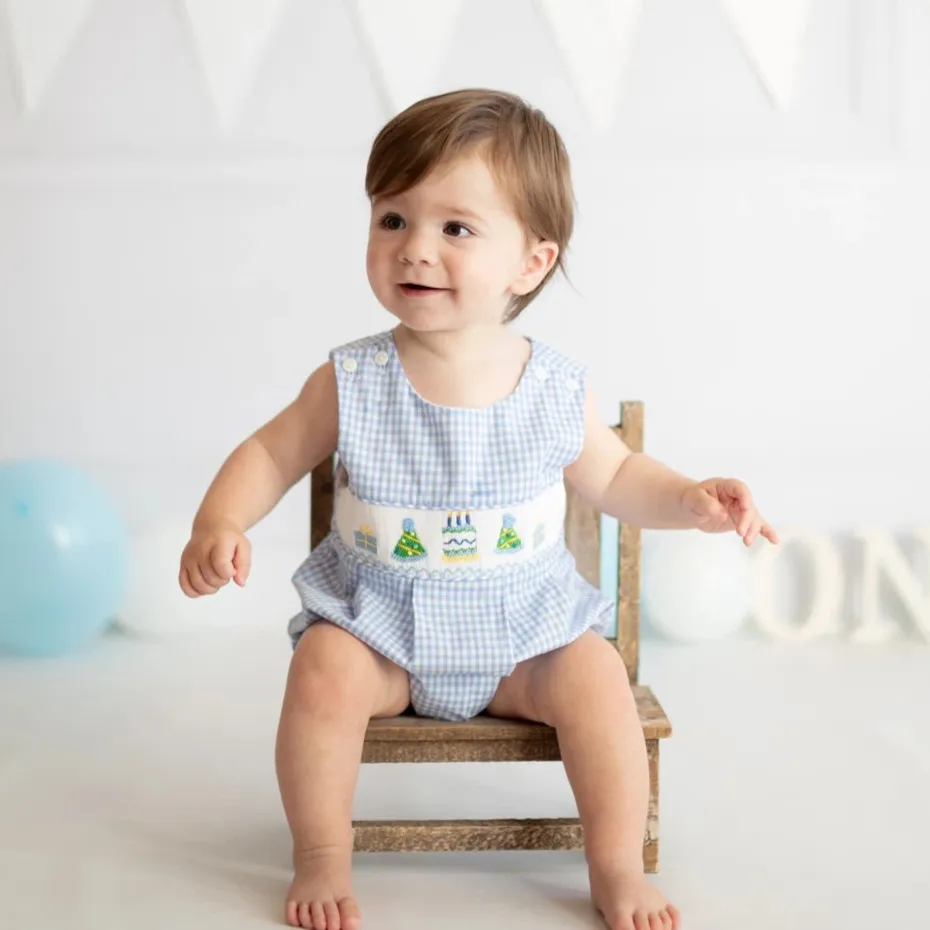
pixel 447 552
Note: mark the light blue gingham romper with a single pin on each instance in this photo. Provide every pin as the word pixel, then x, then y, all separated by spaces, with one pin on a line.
pixel 457 632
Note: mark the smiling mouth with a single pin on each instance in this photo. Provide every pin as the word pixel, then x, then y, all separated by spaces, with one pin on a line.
pixel 421 290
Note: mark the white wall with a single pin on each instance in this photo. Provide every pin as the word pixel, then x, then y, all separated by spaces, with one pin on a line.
pixel 757 277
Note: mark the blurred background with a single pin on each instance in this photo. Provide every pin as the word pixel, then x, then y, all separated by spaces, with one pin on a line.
pixel 183 226
pixel 182 237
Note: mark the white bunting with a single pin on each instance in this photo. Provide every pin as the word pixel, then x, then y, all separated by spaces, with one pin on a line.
pixel 231 38
pixel 42 32
pixel 771 32
pixel 595 38
pixel 407 40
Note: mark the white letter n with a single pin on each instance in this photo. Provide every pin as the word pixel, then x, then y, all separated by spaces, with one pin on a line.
pixel 879 553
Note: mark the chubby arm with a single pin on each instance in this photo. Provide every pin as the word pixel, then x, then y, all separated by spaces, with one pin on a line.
pixel 630 486
pixel 643 492
pixel 261 470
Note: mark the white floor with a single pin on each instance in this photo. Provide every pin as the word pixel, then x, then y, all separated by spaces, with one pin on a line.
pixel 137 790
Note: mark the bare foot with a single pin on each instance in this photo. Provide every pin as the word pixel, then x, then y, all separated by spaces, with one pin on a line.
pixel 320 897
pixel 627 901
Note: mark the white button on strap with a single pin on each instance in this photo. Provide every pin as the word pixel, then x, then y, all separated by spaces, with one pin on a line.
pixel 350 365
pixel 542 373
pixel 571 384
pixel 381 358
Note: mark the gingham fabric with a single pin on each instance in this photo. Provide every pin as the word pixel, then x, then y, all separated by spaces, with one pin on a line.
pixel 456 633
pixel 399 449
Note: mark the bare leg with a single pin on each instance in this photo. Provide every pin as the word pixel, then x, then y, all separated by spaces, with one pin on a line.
pixel 335 686
pixel 583 691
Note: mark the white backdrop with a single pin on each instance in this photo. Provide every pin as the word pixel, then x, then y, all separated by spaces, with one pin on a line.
pixel 168 276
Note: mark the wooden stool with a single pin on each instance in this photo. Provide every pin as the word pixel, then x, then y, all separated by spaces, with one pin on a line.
pixel 486 739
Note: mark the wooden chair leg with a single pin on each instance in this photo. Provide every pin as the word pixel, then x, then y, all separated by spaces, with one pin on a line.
pixel 651 844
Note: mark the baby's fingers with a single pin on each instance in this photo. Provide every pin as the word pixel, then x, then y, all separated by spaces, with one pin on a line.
pixel 242 562
pixel 760 528
pixel 769 534
pixel 739 492
pixel 185 581
pixel 199 583
pixel 748 523
pixel 211 576
pixel 221 562
pixel 751 532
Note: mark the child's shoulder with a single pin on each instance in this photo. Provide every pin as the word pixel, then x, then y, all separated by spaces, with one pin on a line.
pixel 361 347
pixel 548 360
pixel 545 361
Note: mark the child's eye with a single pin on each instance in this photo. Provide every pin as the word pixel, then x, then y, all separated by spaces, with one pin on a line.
pixel 392 221
pixel 457 231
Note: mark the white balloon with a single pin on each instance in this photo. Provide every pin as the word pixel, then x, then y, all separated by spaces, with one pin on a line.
pixel 694 586
pixel 155 607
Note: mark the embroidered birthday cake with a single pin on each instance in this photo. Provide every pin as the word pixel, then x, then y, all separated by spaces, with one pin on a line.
pixel 459 539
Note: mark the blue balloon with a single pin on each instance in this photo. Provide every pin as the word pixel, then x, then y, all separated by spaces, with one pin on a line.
pixel 64 558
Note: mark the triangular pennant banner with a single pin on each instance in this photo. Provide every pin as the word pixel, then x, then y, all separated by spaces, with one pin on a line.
pixel 231 37
pixel 42 31
pixel 407 40
pixel 771 32
pixel 595 38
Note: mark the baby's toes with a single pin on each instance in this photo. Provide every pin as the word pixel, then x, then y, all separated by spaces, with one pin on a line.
pixel 327 917
pixel 290 914
pixel 349 915
pixel 660 921
pixel 318 916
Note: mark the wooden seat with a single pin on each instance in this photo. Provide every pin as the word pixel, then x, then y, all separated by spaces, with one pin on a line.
pixel 409 739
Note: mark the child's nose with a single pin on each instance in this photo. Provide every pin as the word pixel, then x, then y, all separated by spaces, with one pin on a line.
pixel 418 248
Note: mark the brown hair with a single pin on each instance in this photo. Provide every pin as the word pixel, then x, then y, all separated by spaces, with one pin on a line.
pixel 524 151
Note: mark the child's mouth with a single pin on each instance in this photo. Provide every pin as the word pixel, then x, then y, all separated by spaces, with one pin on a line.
pixel 420 290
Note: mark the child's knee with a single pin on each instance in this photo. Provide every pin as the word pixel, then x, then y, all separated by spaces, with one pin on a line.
pixel 331 669
pixel 589 668
pixel 591 658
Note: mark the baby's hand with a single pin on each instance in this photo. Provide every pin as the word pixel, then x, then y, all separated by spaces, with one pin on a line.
pixel 720 505
pixel 213 556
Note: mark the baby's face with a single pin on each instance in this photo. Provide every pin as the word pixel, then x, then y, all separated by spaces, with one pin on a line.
pixel 449 253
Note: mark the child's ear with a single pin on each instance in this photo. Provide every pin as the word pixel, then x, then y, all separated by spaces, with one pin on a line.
pixel 539 262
